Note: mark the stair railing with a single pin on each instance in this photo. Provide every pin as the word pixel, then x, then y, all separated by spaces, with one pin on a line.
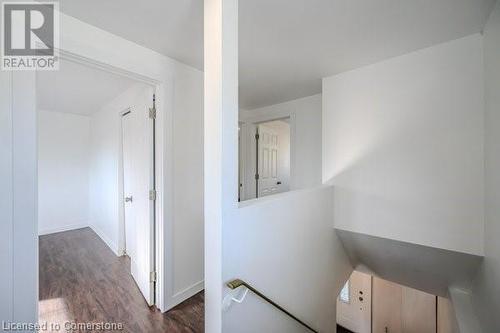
pixel 234 284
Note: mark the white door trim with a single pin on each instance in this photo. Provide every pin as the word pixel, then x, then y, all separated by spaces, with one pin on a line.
pixel 162 121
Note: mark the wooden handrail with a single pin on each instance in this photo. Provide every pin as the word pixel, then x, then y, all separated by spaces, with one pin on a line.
pixel 240 283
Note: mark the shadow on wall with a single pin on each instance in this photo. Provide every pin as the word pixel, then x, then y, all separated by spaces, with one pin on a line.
pixel 307 259
pixel 386 191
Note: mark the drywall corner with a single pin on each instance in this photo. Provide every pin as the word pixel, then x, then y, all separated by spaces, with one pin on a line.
pixel 464 311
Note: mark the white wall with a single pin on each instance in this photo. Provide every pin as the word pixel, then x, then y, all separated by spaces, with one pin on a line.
pixel 305 140
pixel 486 291
pixel 187 236
pixel 6 253
pixel 403 145
pixel 285 246
pixel 63 171
pixel 19 160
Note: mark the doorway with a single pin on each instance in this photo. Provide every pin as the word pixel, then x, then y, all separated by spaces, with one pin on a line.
pixel 354 303
pixel 273 157
pixel 97 192
pixel 264 158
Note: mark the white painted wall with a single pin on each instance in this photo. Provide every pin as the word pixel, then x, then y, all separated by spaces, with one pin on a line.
pixel 465 312
pixel 286 247
pixel 305 140
pixel 63 171
pixel 187 235
pixel 403 145
pixel 6 196
pixel 19 161
pixel 486 290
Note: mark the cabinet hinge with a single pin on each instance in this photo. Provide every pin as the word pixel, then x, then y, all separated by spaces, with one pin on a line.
pixel 152 113
pixel 152 276
pixel 256 176
pixel 152 195
pixel 257 136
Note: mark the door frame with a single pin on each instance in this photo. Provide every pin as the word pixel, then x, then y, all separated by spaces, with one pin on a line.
pixel 249 127
pixel 161 121
pixel 122 235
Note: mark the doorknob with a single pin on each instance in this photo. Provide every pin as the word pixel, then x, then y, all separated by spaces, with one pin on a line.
pixel 128 199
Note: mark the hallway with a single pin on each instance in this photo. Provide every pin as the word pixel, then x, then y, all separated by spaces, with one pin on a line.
pixel 82 281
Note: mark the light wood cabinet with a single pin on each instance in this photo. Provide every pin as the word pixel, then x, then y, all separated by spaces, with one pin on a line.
pixel 386 307
pixel 446 322
pixel 418 311
pixel 398 309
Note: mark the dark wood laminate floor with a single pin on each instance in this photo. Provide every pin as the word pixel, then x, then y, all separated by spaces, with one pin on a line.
pixel 81 280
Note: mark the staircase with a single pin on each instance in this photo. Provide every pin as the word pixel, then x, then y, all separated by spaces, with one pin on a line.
pixel 288 250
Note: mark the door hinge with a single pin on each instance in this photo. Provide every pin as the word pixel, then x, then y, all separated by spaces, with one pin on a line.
pixel 257 136
pixel 152 113
pixel 256 176
pixel 152 277
pixel 152 195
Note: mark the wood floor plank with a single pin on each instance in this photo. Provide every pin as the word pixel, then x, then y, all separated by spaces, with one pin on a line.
pixel 82 280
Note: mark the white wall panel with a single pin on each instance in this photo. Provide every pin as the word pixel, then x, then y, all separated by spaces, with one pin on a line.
pixel 403 145
pixel 486 291
pixel 63 171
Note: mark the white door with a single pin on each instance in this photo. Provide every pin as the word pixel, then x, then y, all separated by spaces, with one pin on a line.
pixel 267 161
pixel 138 180
pixel 354 306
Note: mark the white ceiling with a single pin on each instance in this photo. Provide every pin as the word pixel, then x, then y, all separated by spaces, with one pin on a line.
pixel 287 46
pixel 78 89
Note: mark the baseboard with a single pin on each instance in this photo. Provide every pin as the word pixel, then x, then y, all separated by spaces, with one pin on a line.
pixel 62 229
pixel 183 295
pixel 106 240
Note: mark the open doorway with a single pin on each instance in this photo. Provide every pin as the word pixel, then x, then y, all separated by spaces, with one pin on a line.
pixel 97 194
pixel 264 158
pixel 273 157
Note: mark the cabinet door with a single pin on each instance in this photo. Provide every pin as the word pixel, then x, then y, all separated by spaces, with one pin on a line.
pixel 386 307
pixel 418 311
pixel 446 316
